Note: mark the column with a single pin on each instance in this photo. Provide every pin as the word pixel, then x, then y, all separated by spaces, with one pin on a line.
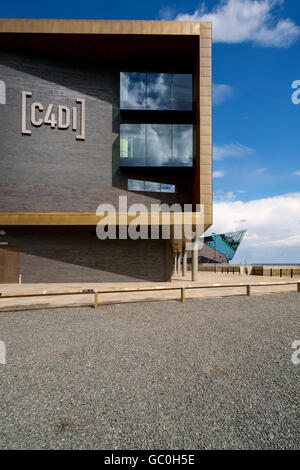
pixel 194 265
pixel 184 261
pixel 178 264
pixel 174 263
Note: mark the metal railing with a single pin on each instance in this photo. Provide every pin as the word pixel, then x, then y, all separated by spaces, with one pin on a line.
pixel 183 289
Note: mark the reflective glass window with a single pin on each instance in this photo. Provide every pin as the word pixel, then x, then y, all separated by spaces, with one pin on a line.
pixel 156 91
pixel 158 145
pixel 139 185
pixel 136 185
pixel 159 91
pixel 132 144
pixel 152 186
pixel 182 145
pixel 167 188
pixel 182 92
pixel 132 90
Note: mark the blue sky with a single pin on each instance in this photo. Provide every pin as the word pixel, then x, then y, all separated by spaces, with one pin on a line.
pixel 256 126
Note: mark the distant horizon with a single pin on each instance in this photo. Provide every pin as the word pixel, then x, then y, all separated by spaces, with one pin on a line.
pixel 270 264
pixel 275 264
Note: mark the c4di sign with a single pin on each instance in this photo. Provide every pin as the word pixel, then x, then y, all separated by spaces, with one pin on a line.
pixel 60 116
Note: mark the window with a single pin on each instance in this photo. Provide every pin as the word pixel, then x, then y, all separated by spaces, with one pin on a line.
pixel 132 144
pixel 182 145
pixel 156 145
pixel 156 91
pixel 150 186
pixel 159 91
pixel 132 90
pixel 167 188
pixel 136 185
pixel 182 92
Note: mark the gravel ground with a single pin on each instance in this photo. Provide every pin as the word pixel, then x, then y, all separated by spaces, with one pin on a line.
pixel 207 374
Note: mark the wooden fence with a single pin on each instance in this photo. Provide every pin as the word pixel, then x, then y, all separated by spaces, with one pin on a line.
pixel 97 294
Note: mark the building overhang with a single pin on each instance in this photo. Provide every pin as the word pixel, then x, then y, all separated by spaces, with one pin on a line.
pixel 110 40
pixel 113 43
pixel 59 26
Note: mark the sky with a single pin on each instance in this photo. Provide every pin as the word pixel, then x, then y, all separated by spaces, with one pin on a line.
pixel 256 125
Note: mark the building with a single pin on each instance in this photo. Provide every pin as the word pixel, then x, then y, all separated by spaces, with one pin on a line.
pixel 225 246
pixel 91 111
pixel 218 248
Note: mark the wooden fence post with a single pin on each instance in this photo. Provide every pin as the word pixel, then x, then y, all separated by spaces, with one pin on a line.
pixel 248 290
pixel 95 298
pixel 298 286
pixel 183 294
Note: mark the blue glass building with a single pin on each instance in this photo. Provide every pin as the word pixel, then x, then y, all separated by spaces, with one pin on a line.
pixel 226 243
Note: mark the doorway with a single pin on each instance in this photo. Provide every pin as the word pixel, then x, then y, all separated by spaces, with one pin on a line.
pixel 9 264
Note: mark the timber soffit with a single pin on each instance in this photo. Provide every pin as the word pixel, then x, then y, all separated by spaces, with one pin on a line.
pixel 47 26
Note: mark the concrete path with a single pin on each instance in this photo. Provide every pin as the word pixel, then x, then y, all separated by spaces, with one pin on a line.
pixel 126 296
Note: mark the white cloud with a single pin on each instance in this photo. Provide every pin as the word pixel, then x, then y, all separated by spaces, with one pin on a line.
pixel 220 195
pixel 237 21
pixel 273 227
pixel 218 174
pixel 167 13
pixel 296 173
pixel 260 171
pixel 221 93
pixel 290 241
pixel 231 150
pixel 230 196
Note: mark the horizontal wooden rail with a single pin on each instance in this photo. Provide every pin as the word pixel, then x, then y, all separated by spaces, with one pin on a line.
pixel 46 294
pixel 182 289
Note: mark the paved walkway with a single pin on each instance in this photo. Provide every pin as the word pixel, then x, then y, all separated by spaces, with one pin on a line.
pixel 126 296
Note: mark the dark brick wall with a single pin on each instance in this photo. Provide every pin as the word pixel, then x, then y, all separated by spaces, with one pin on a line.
pixel 65 255
pixel 50 170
